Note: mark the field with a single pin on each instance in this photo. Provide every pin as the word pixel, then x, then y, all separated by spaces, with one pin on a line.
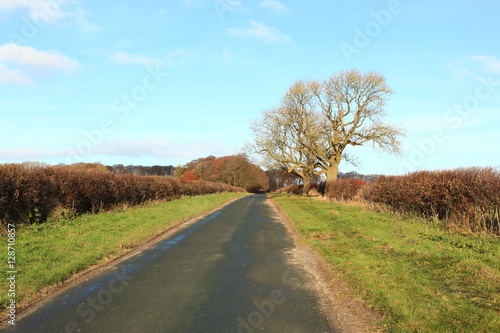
pixel 421 277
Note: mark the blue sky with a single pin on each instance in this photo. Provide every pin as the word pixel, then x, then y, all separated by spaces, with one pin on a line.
pixel 164 82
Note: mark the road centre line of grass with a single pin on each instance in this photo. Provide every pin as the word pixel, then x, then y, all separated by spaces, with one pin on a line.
pixel 50 253
pixel 420 277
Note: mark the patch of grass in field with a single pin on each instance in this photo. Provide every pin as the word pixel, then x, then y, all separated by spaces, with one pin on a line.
pixel 420 277
pixel 49 253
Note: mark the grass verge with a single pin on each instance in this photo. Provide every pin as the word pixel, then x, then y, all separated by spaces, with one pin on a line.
pixel 47 254
pixel 420 277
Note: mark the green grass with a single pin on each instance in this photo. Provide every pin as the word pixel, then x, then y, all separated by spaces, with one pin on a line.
pixel 420 277
pixel 49 253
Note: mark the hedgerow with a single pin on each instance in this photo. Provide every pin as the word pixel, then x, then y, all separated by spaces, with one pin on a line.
pixel 344 189
pixel 29 195
pixel 467 198
pixel 292 189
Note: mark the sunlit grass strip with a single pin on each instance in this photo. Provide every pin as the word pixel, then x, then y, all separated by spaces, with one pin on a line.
pixel 49 253
pixel 420 277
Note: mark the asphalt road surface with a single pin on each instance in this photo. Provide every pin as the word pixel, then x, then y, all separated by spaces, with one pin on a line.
pixel 228 272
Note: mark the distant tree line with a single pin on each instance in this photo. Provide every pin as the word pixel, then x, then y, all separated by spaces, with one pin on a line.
pixel 120 169
pixel 155 170
pixel 236 170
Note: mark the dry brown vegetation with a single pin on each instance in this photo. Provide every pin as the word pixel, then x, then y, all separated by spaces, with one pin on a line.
pixel 31 195
pixel 465 199
pixel 236 170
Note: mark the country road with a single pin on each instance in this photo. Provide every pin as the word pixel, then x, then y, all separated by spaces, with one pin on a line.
pixel 229 272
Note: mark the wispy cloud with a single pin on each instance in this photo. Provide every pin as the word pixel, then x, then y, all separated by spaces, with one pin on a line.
pixel 11 76
pixel 474 65
pixel 79 16
pixel 275 6
pixel 176 57
pixel 158 147
pixel 53 11
pixel 11 4
pixel 30 154
pixel 144 148
pixel 489 63
pixel 30 63
pixel 29 56
pixel 179 57
pixel 260 32
pixel 136 59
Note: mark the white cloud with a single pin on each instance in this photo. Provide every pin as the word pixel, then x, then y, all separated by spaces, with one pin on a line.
pixel 29 56
pixel 29 63
pixel 472 66
pixel 275 6
pixel 158 148
pixel 261 32
pixel 489 63
pixel 50 11
pixel 79 16
pixel 39 11
pixel 178 57
pixel 142 148
pixel 458 71
pixel 174 58
pixel 30 154
pixel 11 76
pixel 12 4
pixel 137 59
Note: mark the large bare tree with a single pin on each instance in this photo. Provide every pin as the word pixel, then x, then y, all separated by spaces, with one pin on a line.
pixel 286 135
pixel 316 121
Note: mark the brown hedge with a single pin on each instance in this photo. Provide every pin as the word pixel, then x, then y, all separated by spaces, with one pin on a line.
pixel 292 189
pixel 30 195
pixel 468 198
pixel 344 189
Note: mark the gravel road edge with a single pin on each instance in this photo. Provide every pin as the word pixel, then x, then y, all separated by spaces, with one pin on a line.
pixel 345 311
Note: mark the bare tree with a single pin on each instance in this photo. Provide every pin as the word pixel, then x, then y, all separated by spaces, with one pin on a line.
pixel 352 107
pixel 317 120
pixel 287 135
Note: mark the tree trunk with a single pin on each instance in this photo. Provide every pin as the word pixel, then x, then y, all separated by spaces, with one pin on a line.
pixel 332 172
pixel 306 182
